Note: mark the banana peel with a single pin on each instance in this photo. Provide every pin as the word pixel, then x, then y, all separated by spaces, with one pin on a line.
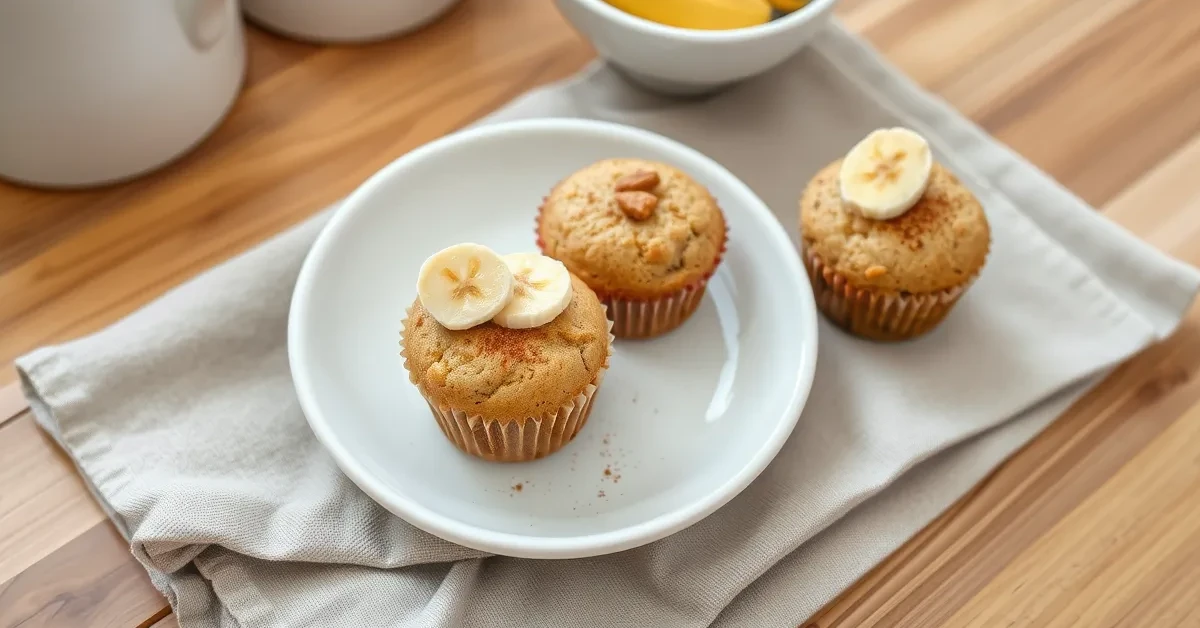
pixel 702 14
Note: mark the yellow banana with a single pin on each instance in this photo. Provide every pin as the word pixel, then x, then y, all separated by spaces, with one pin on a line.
pixel 699 14
pixel 788 5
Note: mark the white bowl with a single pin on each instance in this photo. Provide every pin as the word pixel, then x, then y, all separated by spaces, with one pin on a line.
pixel 682 422
pixel 344 21
pixel 688 61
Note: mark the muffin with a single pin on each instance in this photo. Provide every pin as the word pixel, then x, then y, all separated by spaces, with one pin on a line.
pixel 643 235
pixel 508 393
pixel 891 239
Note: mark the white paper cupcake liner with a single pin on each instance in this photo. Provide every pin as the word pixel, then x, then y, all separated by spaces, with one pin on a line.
pixel 645 319
pixel 513 440
pixel 883 316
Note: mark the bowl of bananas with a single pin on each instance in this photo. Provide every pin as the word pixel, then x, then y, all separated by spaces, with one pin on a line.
pixel 690 47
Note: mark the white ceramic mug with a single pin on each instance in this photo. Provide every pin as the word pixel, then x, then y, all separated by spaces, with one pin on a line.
pixel 97 91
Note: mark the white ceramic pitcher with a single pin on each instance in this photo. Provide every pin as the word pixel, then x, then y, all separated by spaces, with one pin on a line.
pixel 96 91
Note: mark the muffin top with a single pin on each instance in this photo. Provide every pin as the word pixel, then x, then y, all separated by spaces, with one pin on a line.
pixel 937 244
pixel 633 228
pixel 509 374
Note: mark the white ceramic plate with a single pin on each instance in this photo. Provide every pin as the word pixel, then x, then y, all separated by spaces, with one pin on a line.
pixel 682 423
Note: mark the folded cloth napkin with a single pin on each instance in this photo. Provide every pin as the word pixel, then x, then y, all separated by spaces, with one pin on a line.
pixel 183 419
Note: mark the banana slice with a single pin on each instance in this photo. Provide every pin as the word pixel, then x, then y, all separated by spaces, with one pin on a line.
pixel 886 173
pixel 464 285
pixel 541 291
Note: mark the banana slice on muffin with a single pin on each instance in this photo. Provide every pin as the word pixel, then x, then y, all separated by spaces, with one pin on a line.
pixel 886 173
pixel 464 285
pixel 541 291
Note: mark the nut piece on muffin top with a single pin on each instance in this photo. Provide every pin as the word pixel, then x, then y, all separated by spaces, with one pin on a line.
pixel 633 228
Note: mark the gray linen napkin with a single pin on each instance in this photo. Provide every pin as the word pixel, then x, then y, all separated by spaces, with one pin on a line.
pixel 183 419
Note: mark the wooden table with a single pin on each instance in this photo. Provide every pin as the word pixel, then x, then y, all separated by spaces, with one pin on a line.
pixel 1096 523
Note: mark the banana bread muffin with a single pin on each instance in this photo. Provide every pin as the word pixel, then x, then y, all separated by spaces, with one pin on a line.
pixel 891 278
pixel 644 235
pixel 510 394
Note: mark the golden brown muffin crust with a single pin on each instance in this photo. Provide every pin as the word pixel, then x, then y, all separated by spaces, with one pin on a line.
pixel 940 243
pixel 678 245
pixel 509 374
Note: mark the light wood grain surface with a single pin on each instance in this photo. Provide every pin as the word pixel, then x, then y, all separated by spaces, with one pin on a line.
pixel 1095 523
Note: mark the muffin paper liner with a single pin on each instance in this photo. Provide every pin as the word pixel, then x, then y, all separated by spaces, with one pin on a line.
pixel 646 318
pixel 513 440
pixel 878 315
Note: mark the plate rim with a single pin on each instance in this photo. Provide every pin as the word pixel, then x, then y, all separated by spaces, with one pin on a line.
pixel 527 546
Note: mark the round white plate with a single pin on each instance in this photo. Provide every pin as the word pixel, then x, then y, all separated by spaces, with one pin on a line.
pixel 681 423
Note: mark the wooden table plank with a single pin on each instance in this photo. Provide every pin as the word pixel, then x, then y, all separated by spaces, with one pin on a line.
pixel 1064 81
pixel 43 502
pixel 12 402
pixel 935 40
pixel 949 562
pixel 92 581
pixel 1112 106
pixel 1040 48
pixel 1163 207
pixel 1140 533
